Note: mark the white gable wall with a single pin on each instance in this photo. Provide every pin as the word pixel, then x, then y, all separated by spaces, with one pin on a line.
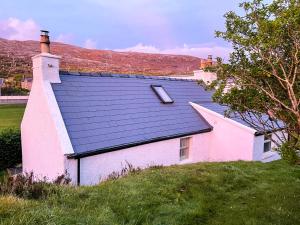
pixel 230 141
pixel 44 137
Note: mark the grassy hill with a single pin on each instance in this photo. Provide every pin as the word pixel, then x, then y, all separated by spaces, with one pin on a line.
pixel 11 116
pixel 205 193
pixel 15 58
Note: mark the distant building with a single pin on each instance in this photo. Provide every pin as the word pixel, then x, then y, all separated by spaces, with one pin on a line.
pixel 207 62
pixel 206 77
pixel 26 83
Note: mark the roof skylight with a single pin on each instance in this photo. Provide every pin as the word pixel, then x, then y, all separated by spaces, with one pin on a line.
pixel 162 94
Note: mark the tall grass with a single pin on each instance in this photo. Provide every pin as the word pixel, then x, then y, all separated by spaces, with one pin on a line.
pixel 204 193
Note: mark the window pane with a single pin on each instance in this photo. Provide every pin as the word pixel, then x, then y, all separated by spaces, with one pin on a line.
pixel 267 146
pixel 184 148
pixel 267 143
pixel 183 153
pixel 183 143
pixel 163 95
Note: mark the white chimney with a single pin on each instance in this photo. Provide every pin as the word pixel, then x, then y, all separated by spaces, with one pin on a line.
pixel 46 65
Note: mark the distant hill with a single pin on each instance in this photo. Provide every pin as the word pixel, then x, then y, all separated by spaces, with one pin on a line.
pixel 15 57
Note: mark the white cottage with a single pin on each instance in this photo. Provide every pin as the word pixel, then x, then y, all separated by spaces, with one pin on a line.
pixel 91 125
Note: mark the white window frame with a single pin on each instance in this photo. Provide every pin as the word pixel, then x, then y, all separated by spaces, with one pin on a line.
pixel 268 142
pixel 184 151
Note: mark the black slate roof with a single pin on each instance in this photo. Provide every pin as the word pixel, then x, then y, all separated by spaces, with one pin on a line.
pixel 105 112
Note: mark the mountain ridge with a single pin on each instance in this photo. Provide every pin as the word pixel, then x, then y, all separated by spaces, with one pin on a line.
pixel 15 58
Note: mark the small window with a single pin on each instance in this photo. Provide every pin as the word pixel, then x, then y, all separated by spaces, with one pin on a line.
pixel 162 94
pixel 184 148
pixel 267 143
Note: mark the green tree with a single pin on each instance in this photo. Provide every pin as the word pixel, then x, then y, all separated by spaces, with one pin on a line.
pixel 265 67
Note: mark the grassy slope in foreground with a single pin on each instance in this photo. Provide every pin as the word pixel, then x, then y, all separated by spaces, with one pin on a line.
pixel 203 193
pixel 11 116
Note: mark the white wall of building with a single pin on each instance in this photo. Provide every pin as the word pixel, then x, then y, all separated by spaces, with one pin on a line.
pixel 230 140
pixel 44 137
pixel 13 99
pixel 207 77
pixel 98 167
pixel 258 151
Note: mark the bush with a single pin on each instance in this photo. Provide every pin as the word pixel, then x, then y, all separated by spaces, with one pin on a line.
pixel 24 186
pixel 8 91
pixel 126 170
pixel 288 152
pixel 10 148
pixel 29 187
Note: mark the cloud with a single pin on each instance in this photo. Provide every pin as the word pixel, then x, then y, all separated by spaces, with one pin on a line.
pixel 142 17
pixel 90 44
pixel 140 48
pixel 64 38
pixel 201 51
pixel 15 29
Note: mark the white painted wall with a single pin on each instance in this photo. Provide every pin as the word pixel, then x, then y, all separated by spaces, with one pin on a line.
pixel 44 137
pixel 258 152
pixel 258 148
pixel 98 167
pixel 13 99
pixel 230 141
pixel 207 77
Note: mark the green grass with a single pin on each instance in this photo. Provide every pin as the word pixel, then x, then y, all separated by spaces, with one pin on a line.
pixel 205 193
pixel 11 116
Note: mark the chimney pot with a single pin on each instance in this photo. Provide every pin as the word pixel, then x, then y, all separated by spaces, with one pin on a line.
pixel 45 41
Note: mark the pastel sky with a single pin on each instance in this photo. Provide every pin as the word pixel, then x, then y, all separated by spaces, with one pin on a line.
pixel 157 26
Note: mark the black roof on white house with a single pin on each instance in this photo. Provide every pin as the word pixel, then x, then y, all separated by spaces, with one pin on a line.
pixel 105 112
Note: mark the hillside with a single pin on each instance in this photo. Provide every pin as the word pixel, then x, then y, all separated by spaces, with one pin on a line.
pixel 205 193
pixel 15 57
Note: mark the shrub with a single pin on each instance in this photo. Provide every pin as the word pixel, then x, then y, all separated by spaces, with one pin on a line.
pixel 24 186
pixel 127 169
pixel 288 153
pixel 27 186
pixel 130 169
pixel 10 148
pixel 14 91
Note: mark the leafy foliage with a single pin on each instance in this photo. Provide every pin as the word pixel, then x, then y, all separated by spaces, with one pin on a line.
pixel 8 91
pixel 265 66
pixel 287 152
pixel 10 148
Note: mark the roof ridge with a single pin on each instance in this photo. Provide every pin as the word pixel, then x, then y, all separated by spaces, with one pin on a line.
pixel 119 75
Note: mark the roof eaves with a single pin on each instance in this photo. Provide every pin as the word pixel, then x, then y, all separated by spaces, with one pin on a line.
pixel 133 144
pixel 141 76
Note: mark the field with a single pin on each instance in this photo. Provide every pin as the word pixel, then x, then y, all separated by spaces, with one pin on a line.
pixel 11 115
pixel 234 193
